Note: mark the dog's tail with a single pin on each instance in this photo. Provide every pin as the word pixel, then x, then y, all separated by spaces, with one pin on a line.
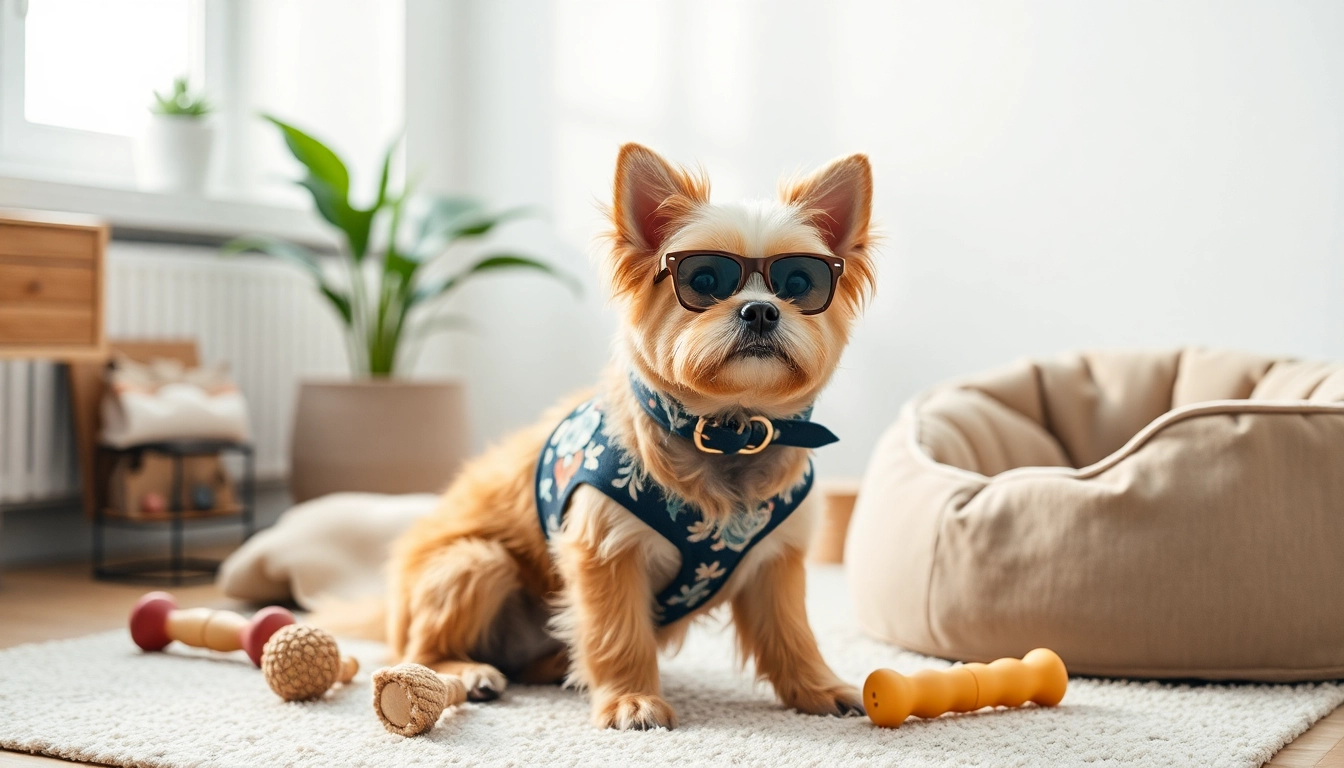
pixel 364 619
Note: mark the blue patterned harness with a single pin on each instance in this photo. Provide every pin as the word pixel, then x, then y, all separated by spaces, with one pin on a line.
pixel 580 452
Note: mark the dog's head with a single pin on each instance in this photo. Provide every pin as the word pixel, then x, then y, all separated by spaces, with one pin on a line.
pixel 749 350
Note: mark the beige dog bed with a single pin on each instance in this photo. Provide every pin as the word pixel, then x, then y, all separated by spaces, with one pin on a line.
pixel 1175 514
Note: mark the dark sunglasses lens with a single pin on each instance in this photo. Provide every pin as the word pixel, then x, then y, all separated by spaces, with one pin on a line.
pixel 803 280
pixel 706 278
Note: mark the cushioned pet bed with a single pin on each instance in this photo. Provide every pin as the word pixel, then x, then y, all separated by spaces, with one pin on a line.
pixel 1167 514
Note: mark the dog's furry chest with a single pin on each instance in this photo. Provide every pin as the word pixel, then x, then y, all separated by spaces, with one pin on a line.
pixel 744 480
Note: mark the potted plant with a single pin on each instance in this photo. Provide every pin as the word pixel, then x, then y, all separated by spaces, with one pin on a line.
pixel 379 432
pixel 173 154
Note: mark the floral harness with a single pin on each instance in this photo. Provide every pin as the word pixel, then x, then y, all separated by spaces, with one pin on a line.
pixel 580 452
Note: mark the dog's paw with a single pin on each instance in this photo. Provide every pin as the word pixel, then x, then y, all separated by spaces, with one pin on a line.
pixel 634 712
pixel 839 700
pixel 484 682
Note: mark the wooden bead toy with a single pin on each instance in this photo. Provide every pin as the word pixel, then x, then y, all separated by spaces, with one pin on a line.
pixel 409 698
pixel 156 621
pixel 154 504
pixel 890 697
pixel 301 663
pixel 202 497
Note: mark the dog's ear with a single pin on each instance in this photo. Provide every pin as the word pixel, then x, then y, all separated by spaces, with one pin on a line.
pixel 838 201
pixel 651 196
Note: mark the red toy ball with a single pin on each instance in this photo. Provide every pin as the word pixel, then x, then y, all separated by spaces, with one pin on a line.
pixel 149 620
pixel 153 504
pixel 264 624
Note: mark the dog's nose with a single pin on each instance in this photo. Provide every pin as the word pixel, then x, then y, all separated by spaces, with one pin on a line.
pixel 759 316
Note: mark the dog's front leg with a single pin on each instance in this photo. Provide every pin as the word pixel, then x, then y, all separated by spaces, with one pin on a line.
pixel 609 618
pixel 772 627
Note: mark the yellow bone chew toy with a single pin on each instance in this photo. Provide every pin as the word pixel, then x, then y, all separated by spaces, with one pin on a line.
pixel 890 697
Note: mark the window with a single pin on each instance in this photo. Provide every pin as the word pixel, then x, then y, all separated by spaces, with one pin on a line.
pixel 98 75
pixel 77 78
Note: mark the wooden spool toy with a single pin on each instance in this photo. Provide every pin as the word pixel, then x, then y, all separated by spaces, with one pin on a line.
pixel 409 698
pixel 156 621
pixel 890 697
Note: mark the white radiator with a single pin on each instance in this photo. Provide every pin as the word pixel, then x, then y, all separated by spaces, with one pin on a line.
pixel 262 317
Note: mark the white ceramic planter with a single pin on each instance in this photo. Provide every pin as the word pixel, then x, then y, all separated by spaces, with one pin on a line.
pixel 173 154
pixel 377 436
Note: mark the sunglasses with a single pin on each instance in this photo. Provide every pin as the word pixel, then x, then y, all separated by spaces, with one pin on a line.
pixel 702 279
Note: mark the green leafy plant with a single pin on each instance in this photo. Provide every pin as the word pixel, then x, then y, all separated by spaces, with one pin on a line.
pixel 390 298
pixel 180 101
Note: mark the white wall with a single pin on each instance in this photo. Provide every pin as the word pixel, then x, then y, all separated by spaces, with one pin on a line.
pixel 336 69
pixel 531 340
pixel 1049 174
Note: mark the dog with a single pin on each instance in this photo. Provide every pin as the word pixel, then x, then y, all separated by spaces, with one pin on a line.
pixel 700 425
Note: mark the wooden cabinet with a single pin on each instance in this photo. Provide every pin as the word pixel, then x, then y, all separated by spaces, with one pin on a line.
pixel 51 285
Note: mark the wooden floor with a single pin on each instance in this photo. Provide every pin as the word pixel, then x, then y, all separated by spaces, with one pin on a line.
pixel 59 602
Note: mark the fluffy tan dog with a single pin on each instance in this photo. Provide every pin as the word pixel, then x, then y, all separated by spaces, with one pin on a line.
pixel 478 590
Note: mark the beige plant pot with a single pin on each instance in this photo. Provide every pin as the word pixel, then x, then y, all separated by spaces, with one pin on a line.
pixel 377 436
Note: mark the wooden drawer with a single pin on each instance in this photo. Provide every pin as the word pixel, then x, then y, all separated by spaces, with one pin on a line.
pixel 51 286
pixel 22 282
pixel 37 241
pixel 47 325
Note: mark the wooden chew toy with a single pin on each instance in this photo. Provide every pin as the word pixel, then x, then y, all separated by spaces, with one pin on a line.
pixel 156 621
pixel 409 698
pixel 890 697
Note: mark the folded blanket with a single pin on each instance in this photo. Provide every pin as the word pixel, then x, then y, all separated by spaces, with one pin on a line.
pixel 164 400
pixel 333 547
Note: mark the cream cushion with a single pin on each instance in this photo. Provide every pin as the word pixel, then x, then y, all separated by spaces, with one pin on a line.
pixel 1152 514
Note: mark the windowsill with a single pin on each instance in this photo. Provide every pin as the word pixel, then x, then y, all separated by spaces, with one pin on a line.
pixel 139 215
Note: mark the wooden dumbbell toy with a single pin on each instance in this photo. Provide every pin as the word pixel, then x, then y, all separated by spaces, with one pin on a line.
pixel 156 621
pixel 890 697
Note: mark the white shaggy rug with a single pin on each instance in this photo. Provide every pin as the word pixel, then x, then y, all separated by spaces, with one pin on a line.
pixel 100 699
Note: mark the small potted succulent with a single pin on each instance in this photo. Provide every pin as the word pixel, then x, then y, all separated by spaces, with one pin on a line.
pixel 173 154
pixel 381 432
